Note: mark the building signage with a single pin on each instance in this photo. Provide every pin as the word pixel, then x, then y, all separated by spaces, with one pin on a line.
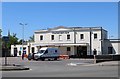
pixel 60 32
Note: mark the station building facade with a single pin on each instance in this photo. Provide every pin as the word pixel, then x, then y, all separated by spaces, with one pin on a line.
pixel 72 41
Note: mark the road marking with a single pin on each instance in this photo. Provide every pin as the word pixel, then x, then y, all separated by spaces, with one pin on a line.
pixel 72 64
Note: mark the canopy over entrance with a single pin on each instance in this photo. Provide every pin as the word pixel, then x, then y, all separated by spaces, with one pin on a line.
pixel 60 44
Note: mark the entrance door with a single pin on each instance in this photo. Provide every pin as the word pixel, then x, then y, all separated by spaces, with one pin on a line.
pixel 15 52
pixel 110 50
pixel 82 51
pixel 33 50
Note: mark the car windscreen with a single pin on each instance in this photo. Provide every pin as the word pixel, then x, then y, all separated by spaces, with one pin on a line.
pixel 41 51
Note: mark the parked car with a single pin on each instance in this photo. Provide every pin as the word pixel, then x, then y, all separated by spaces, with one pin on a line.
pixel 31 56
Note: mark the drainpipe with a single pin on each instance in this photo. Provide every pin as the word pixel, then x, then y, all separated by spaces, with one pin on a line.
pixel 74 41
pixel 74 36
pixel 90 41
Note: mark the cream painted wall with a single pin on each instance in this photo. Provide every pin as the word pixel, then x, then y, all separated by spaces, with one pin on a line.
pixel 86 37
pixel 116 48
pixel 64 50
pixel 96 43
pixel 47 38
pixel 18 49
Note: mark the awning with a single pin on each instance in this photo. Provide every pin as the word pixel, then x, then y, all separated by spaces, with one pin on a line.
pixel 62 44
pixel 78 44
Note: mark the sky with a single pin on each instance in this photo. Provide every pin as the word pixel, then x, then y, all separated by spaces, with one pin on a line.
pixel 43 15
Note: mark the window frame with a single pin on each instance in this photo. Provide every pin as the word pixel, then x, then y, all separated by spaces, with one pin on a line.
pixel 68 36
pixel 68 49
pixel 60 37
pixel 81 36
pixel 95 36
pixel 41 37
pixel 52 37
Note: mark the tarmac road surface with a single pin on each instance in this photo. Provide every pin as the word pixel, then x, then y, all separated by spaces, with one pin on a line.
pixel 61 68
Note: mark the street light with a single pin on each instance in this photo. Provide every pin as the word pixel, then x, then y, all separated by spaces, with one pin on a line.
pixel 22 34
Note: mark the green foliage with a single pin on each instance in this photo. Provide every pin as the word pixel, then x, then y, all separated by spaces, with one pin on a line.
pixel 31 38
pixel 12 40
pixel 20 41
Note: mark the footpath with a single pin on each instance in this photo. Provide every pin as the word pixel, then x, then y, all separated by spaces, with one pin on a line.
pixel 13 67
pixel 106 63
pixel 109 63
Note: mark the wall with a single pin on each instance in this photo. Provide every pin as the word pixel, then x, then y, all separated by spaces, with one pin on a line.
pixel 96 43
pixel 47 38
pixel 112 43
pixel 116 47
pixel 18 49
pixel 63 50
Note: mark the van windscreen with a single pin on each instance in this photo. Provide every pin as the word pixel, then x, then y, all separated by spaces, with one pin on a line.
pixel 41 51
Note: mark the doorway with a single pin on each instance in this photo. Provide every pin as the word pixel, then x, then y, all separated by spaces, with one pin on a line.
pixel 15 52
pixel 82 51
pixel 110 50
pixel 33 50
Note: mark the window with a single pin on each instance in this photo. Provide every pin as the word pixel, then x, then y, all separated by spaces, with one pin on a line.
pixel 81 36
pixel 46 52
pixel 55 51
pixel 52 37
pixel 110 49
pixel 68 49
pixel 68 37
pixel 41 37
pixel 95 36
pixel 60 37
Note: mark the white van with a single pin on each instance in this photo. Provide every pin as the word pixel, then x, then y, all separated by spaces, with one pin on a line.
pixel 47 53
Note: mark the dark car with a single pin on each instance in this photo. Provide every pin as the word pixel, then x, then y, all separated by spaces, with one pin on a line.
pixel 31 56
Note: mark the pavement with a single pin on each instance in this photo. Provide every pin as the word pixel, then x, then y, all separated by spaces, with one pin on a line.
pixel 107 63
pixel 13 67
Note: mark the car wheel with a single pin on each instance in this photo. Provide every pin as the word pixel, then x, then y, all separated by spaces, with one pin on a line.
pixel 36 59
pixel 55 58
pixel 42 59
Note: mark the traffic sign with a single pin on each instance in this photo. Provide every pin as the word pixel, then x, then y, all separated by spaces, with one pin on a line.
pixel 5 38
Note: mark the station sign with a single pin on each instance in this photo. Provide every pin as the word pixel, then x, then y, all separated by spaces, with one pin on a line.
pixel 60 32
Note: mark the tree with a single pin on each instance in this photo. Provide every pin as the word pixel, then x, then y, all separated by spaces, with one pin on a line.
pixel 31 38
pixel 13 40
pixel 6 46
pixel 20 41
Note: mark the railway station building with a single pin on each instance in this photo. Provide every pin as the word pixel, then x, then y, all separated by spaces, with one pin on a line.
pixel 72 41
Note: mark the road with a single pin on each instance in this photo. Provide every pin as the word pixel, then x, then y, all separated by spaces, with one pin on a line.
pixel 61 68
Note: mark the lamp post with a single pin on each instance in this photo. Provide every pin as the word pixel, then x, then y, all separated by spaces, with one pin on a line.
pixel 22 34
